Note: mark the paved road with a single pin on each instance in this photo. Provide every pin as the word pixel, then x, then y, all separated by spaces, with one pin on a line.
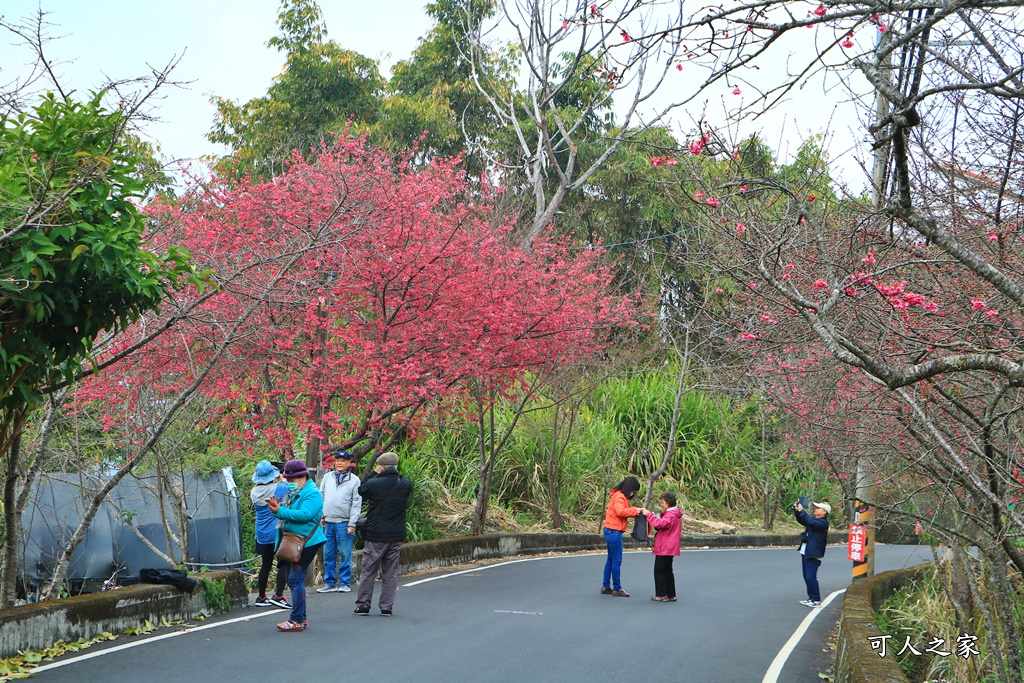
pixel 537 619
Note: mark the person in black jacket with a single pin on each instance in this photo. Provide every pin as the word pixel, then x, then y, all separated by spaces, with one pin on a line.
pixel 815 538
pixel 387 494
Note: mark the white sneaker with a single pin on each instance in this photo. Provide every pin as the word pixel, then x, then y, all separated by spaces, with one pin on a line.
pixel 344 589
pixel 327 589
pixel 810 603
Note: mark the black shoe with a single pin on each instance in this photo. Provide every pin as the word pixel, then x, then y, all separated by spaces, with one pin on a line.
pixel 362 610
pixel 279 601
pixel 385 613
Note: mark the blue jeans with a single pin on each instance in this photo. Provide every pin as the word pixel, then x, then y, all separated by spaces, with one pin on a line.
pixel 810 568
pixel 297 582
pixel 613 564
pixel 338 547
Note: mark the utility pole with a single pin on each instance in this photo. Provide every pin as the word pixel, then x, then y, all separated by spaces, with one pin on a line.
pixel 864 514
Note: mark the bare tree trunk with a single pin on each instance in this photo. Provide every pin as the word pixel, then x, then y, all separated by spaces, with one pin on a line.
pixel 489 447
pixel 553 471
pixel 14 505
pixel 673 427
pixel 149 544
pixel 12 523
pixel 765 484
pixel 484 471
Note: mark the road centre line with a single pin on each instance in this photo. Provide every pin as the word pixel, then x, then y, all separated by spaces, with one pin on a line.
pixel 772 675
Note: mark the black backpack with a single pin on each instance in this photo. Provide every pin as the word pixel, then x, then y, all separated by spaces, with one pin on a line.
pixel 640 531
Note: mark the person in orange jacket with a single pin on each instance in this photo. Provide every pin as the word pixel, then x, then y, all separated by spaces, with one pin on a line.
pixel 616 518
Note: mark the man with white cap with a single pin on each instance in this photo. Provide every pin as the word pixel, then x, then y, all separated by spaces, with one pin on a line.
pixel 812 549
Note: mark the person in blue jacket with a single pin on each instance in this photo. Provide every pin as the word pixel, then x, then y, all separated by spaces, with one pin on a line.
pixel 812 549
pixel 268 484
pixel 300 513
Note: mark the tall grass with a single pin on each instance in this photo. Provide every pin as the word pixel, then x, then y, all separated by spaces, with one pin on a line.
pixel 621 429
pixel 923 613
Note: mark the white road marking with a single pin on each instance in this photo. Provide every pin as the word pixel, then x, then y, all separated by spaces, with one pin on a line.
pixel 491 566
pixel 146 641
pixel 772 675
pixel 514 611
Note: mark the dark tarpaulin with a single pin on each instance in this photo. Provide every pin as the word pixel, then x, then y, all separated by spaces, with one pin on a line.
pixel 58 503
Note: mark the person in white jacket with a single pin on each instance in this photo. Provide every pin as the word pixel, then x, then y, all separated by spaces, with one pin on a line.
pixel 342 505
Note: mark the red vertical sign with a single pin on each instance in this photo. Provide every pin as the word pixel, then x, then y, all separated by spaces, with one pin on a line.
pixel 855 545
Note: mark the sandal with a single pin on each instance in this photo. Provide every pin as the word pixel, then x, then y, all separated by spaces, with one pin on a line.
pixel 289 626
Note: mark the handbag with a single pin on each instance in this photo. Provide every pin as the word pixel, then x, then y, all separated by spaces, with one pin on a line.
pixel 291 546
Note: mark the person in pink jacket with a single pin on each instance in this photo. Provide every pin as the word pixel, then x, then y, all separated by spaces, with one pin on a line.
pixel 666 546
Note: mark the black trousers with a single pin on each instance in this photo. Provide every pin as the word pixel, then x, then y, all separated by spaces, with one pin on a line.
pixel 664 579
pixel 266 553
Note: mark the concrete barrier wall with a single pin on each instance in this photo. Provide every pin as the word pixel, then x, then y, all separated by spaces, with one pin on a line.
pixel 446 552
pixel 856 661
pixel 41 624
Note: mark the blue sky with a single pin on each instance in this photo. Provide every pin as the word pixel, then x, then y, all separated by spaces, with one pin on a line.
pixel 223 43
pixel 224 46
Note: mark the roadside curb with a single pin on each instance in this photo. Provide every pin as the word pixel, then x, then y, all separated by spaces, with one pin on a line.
pixel 41 624
pixel 856 662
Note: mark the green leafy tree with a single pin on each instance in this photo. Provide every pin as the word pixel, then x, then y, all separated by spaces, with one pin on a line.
pixel 432 99
pixel 73 261
pixel 321 88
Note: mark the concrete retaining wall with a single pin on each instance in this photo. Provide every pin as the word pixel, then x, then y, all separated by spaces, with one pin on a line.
pixel 449 551
pixel 40 625
pixel 856 661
